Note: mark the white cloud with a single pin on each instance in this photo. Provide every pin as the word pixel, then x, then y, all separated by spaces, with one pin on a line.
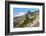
pixel 19 14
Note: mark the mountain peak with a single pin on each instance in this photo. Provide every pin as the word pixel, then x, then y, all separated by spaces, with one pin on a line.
pixel 28 12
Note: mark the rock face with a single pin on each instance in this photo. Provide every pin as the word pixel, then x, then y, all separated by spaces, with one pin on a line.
pixel 18 21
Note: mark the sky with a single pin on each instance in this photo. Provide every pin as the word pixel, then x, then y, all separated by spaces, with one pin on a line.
pixel 22 11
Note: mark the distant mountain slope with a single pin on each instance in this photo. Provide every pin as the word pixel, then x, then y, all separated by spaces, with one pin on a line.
pixel 23 20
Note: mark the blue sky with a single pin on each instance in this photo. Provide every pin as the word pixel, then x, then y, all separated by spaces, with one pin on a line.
pixel 17 11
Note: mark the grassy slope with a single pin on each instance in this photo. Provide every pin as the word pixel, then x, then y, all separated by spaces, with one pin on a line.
pixel 28 21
